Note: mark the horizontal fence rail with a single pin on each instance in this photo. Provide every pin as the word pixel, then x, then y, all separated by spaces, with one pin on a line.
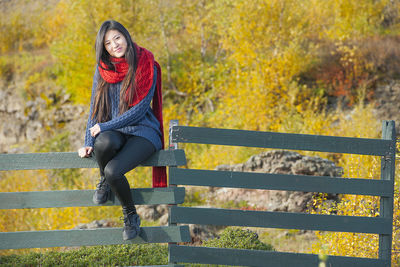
pixel 383 188
pixel 284 220
pixel 243 257
pixel 173 233
pixel 83 198
pixel 334 144
pixel 66 160
pixel 102 236
pixel 269 181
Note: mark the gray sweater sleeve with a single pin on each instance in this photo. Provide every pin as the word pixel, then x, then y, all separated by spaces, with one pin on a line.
pixel 89 140
pixel 132 115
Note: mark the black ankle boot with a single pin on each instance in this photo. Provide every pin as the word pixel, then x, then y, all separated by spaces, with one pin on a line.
pixel 102 193
pixel 131 225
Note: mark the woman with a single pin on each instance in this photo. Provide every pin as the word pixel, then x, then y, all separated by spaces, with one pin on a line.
pixel 122 129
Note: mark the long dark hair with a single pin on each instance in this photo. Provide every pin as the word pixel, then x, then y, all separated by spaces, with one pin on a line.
pixel 102 105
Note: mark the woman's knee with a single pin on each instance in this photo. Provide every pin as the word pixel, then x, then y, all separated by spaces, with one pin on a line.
pixel 108 142
pixel 112 174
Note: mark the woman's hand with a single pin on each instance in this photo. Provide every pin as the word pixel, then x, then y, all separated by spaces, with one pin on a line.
pixel 95 130
pixel 84 152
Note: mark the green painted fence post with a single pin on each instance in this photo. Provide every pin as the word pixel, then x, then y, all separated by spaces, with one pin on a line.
pixel 172 146
pixel 386 203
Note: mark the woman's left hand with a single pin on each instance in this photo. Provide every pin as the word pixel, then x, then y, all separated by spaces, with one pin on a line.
pixel 95 130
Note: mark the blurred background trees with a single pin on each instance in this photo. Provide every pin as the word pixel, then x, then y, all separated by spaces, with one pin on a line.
pixel 297 66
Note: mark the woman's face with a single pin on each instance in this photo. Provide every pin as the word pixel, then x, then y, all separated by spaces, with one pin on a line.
pixel 115 43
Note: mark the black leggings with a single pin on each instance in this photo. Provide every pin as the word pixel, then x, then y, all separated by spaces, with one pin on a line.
pixel 116 154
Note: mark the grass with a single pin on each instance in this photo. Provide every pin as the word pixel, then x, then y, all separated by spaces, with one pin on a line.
pixel 120 255
pixel 124 255
pixel 284 240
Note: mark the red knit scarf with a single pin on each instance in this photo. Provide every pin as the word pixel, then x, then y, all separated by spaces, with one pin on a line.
pixel 143 81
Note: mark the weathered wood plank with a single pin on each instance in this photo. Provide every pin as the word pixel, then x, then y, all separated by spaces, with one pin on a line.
pixel 83 198
pixel 236 257
pixel 334 144
pixel 65 160
pixel 102 236
pixel 270 181
pixel 285 220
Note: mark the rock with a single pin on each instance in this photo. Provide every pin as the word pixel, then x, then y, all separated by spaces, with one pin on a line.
pixel 164 219
pixel 33 130
pixel 153 213
pixel 200 233
pixel 96 224
pixel 26 122
pixel 281 162
pixel 160 213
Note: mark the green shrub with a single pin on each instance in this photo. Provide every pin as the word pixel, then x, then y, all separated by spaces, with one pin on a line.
pixel 121 255
pixel 239 239
pixel 125 255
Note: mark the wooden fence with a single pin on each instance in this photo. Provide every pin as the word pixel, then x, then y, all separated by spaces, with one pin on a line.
pixel 383 188
pixel 173 195
pixel 83 198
